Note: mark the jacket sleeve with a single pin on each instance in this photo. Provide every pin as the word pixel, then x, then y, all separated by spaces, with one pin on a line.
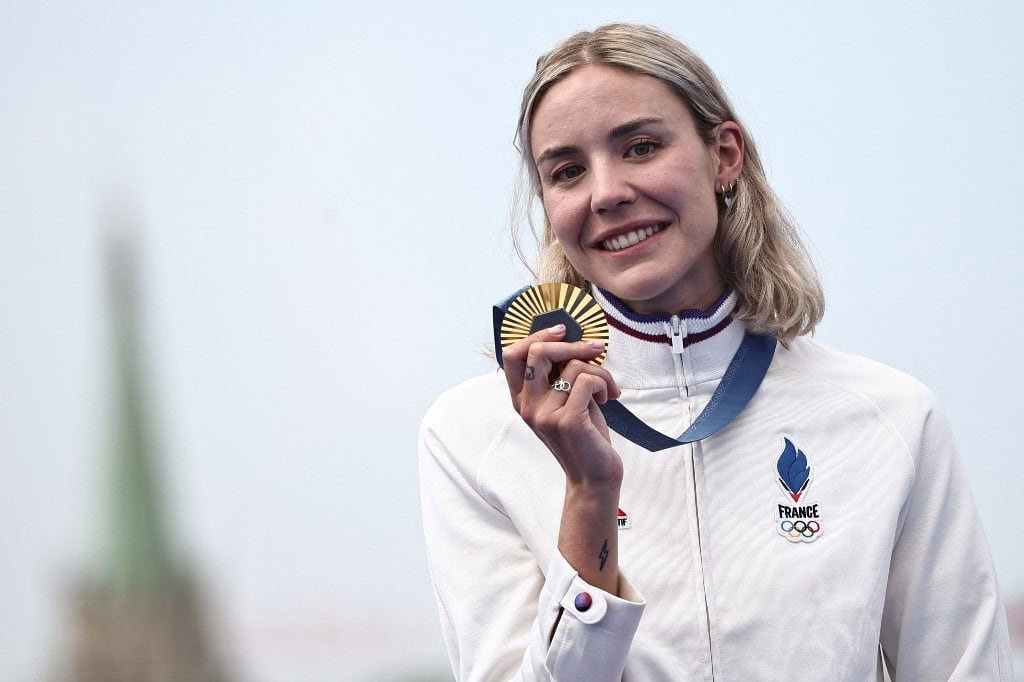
pixel 943 616
pixel 502 616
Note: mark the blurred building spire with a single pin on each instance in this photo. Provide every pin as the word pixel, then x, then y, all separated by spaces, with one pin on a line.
pixel 137 616
pixel 137 555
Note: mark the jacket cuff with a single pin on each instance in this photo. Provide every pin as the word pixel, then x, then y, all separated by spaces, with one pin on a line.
pixel 594 630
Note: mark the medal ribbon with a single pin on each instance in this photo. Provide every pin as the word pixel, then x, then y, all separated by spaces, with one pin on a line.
pixel 740 382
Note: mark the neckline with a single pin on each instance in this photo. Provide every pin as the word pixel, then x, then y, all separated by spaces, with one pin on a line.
pixel 700 325
pixel 689 313
pixel 641 354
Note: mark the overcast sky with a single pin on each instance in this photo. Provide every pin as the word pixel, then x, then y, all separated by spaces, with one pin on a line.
pixel 323 196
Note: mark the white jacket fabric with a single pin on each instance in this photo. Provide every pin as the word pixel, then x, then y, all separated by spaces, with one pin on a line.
pixel 727 574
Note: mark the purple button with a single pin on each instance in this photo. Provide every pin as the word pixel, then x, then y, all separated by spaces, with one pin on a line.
pixel 583 601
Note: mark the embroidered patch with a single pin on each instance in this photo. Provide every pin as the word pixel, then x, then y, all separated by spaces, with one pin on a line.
pixel 797 522
pixel 623 519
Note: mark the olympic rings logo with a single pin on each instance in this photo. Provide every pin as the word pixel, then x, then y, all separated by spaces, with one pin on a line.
pixel 799 529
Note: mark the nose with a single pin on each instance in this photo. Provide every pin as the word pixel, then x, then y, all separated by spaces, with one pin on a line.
pixel 610 188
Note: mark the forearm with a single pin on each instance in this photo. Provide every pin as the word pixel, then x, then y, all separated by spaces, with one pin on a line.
pixel 588 535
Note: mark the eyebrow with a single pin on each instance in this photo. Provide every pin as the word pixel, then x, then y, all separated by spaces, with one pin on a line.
pixel 617 132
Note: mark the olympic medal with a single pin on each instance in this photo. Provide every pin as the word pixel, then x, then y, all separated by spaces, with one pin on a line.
pixel 546 305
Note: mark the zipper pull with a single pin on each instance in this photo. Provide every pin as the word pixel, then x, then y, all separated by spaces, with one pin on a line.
pixel 677 334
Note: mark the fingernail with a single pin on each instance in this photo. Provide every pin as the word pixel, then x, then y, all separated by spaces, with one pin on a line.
pixel 595 344
pixel 557 329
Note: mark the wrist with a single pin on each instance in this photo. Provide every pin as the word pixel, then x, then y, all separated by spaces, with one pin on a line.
pixel 588 535
pixel 591 493
pixel 595 501
pixel 599 485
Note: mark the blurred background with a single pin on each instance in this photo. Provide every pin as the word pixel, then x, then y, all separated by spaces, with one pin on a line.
pixel 243 246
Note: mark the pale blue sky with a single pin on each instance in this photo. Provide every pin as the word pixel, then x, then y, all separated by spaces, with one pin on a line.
pixel 324 192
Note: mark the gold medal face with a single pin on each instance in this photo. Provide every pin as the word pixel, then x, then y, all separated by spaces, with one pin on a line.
pixel 545 305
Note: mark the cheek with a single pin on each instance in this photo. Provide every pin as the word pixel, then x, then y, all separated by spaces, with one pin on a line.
pixel 565 217
pixel 677 183
pixel 693 196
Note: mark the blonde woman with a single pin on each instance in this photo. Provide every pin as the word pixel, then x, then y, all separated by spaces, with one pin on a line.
pixel 810 523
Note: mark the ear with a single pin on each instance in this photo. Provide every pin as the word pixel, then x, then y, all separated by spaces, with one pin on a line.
pixel 728 147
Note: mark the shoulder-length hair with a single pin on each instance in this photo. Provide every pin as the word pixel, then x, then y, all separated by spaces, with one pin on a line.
pixel 757 245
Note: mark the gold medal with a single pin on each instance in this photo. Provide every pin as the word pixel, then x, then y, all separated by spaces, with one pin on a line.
pixel 546 305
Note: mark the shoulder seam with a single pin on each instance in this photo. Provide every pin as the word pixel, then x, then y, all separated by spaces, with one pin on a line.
pixel 875 410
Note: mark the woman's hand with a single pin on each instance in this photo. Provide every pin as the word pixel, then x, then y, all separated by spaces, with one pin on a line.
pixel 571 425
pixel 568 422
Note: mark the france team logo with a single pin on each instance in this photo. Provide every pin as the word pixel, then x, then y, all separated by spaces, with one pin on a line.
pixel 796 522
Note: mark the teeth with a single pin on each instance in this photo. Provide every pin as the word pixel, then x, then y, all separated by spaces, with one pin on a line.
pixel 631 238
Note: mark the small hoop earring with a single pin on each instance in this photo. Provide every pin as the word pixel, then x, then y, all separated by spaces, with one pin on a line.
pixel 728 196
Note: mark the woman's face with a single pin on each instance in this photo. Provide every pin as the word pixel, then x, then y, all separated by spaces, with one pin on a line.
pixel 629 187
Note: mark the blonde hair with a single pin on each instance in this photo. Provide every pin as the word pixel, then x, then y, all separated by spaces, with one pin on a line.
pixel 757 245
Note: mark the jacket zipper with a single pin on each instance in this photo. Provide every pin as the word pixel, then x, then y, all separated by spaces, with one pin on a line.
pixel 676 330
pixel 677 334
pixel 700 554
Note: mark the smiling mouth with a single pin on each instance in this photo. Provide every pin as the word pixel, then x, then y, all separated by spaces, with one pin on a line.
pixel 632 237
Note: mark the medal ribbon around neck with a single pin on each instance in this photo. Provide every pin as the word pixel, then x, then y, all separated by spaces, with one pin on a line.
pixel 534 308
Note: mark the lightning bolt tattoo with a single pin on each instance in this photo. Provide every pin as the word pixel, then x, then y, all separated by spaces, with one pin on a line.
pixel 603 556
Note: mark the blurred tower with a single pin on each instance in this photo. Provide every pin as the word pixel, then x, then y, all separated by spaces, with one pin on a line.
pixel 136 618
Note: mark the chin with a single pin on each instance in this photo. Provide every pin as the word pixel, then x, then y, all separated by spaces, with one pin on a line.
pixel 664 292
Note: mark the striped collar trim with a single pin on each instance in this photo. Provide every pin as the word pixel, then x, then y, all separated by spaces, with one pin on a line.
pixel 700 324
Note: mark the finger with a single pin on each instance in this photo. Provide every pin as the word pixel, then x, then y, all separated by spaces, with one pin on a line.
pixel 558 353
pixel 586 389
pixel 577 379
pixel 566 417
pixel 546 343
pixel 575 368
pixel 551 360
pixel 514 358
pixel 538 390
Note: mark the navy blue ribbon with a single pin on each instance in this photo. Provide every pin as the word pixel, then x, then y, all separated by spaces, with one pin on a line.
pixel 740 382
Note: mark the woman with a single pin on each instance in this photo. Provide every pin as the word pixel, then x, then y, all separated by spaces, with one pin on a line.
pixel 822 532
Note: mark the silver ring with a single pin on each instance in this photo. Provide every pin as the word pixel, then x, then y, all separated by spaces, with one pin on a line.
pixel 561 385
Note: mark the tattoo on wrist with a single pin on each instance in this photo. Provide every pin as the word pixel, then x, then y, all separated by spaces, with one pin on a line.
pixel 603 556
pixel 529 373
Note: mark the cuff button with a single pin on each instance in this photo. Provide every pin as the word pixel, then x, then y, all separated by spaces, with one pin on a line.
pixel 583 601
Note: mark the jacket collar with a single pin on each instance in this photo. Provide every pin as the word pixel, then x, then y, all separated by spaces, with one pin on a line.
pixel 641 354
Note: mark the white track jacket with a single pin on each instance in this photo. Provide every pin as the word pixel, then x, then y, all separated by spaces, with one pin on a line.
pixel 862 549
